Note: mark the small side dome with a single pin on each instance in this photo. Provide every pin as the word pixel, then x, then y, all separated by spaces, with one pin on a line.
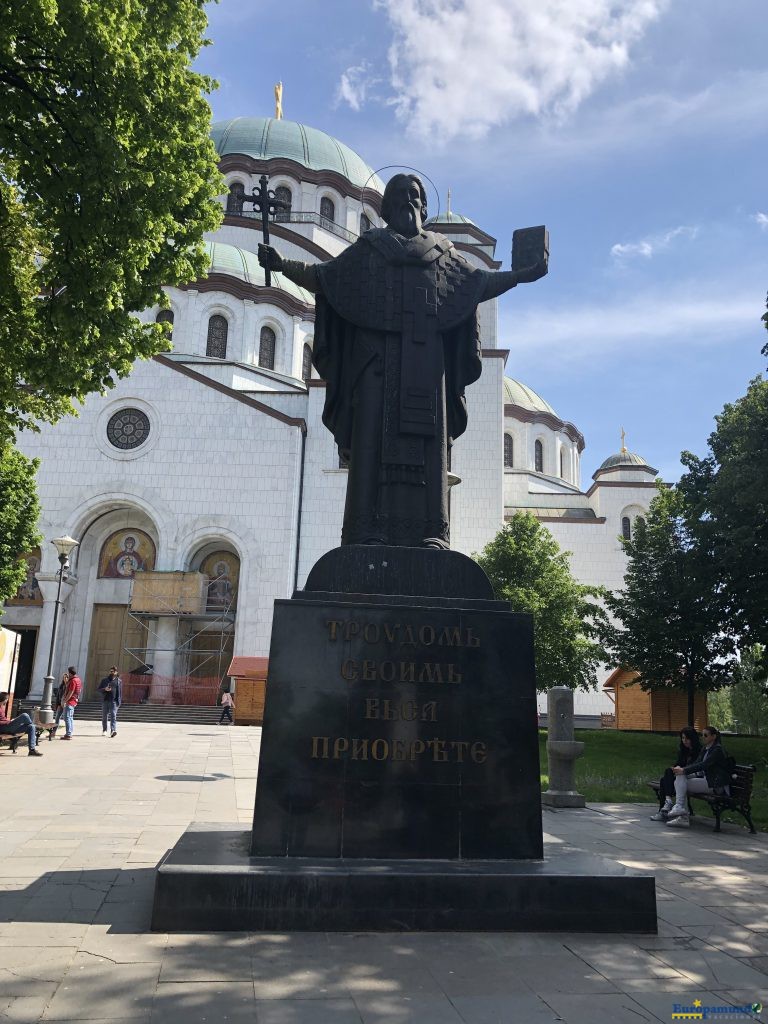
pixel 519 394
pixel 449 217
pixel 244 265
pixel 624 460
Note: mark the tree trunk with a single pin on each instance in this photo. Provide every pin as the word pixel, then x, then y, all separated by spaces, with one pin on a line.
pixel 691 695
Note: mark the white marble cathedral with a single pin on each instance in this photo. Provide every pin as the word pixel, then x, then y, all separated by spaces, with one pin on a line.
pixel 213 458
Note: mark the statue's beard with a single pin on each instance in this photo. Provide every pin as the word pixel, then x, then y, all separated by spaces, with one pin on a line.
pixel 407 221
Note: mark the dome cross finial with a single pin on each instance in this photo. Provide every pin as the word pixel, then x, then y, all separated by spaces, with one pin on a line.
pixel 448 205
pixel 623 442
pixel 279 101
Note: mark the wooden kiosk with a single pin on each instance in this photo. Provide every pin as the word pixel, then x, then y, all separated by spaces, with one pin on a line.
pixel 250 678
pixel 651 711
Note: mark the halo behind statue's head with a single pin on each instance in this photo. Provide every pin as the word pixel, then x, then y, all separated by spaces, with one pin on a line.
pixel 414 173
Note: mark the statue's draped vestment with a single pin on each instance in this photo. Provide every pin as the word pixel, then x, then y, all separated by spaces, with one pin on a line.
pixel 397 341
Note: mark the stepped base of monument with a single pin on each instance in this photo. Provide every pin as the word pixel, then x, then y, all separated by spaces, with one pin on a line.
pixel 208 882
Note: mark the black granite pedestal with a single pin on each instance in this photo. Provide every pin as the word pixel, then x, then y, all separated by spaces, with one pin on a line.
pixel 209 882
pixel 399 783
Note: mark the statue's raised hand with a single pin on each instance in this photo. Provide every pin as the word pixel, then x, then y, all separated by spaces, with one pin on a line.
pixel 529 274
pixel 270 258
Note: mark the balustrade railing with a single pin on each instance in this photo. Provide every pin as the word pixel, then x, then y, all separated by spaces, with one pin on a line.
pixel 297 217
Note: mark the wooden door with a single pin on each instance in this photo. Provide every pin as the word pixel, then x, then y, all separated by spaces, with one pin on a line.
pixel 114 633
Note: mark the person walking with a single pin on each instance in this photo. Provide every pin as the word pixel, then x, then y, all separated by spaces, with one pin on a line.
pixel 13 726
pixel 58 707
pixel 110 689
pixel 70 699
pixel 227 705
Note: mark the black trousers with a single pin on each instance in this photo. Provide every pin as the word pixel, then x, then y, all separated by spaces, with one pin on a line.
pixel 667 784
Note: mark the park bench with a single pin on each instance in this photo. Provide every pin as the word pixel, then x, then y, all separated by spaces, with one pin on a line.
pixel 740 797
pixel 12 739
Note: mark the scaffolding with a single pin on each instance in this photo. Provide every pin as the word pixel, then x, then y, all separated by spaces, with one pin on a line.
pixel 196 649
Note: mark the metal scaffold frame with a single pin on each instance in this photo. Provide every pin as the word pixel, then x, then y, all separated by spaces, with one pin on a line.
pixel 184 649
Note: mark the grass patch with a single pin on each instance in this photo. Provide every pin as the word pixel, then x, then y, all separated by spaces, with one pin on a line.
pixel 616 766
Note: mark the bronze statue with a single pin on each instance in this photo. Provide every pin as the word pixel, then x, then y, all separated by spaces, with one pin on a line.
pixel 397 341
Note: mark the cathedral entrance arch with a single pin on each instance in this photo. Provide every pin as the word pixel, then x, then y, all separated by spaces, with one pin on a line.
pixel 115 635
pixel 99 630
pixel 208 644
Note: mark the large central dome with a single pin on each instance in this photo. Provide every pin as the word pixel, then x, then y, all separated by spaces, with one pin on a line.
pixel 266 138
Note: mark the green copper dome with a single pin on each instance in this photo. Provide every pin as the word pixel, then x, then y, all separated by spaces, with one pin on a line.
pixel 266 138
pixel 234 262
pixel 625 458
pixel 516 393
pixel 451 218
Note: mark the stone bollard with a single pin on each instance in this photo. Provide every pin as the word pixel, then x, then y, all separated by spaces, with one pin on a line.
pixel 562 750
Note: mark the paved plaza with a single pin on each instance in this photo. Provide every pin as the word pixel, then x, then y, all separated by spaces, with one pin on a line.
pixel 84 828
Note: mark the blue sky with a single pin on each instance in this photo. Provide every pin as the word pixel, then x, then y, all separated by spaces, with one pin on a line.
pixel 635 129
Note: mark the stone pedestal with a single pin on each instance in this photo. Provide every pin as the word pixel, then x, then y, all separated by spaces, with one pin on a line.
pixel 398 730
pixel 398 784
pixel 562 750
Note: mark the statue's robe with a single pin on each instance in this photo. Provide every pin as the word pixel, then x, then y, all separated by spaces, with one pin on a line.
pixel 397 341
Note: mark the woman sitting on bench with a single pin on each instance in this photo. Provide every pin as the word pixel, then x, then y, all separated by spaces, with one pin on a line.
pixel 688 752
pixel 713 763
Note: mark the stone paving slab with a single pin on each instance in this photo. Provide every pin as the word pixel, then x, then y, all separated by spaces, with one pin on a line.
pixel 86 825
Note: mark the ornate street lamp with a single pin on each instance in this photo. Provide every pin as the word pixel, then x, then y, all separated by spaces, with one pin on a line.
pixel 64 546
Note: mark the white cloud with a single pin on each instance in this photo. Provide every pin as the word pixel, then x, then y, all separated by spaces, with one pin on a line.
pixel 698 314
pixel 461 67
pixel 648 247
pixel 355 84
pixel 761 219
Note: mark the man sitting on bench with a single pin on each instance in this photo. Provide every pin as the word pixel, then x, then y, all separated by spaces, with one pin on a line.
pixel 713 763
pixel 14 726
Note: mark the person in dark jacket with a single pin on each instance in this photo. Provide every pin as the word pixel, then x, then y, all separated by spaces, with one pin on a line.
pixel 713 763
pixel 110 689
pixel 688 751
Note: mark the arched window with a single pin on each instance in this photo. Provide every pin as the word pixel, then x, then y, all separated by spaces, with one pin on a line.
pixel 538 455
pixel 365 223
pixel 509 451
pixel 235 197
pixel 165 316
pixel 626 528
pixel 327 209
pixel 267 348
pixel 306 363
pixel 216 345
pixel 283 193
pixel 562 464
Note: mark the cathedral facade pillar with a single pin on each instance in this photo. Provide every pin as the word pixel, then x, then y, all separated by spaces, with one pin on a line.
pixel 49 585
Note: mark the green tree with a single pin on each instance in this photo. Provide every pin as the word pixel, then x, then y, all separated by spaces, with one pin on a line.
pixel 527 568
pixel 728 494
pixel 108 181
pixel 19 512
pixel 670 624
pixel 749 693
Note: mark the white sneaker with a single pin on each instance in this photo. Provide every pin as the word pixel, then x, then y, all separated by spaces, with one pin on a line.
pixel 660 815
pixel 105 733
pixel 677 810
pixel 681 821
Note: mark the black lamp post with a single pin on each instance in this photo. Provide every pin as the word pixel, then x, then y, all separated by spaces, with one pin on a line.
pixel 64 546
